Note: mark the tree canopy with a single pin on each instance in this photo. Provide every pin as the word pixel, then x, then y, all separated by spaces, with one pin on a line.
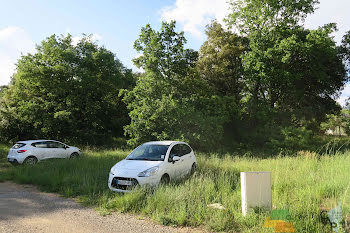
pixel 293 71
pixel 67 92
pixel 266 80
pixel 170 101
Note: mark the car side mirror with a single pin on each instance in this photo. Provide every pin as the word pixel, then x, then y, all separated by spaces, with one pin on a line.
pixel 173 158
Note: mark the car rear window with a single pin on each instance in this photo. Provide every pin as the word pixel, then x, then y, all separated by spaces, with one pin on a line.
pixel 18 145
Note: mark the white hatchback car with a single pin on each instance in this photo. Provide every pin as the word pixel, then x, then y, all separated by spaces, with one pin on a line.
pixel 152 163
pixel 30 152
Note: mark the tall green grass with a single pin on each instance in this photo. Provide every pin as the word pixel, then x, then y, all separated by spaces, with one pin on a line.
pixel 304 183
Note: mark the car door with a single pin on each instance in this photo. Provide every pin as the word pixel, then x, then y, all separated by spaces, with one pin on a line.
pixel 41 150
pixel 63 150
pixel 56 150
pixel 186 158
pixel 174 168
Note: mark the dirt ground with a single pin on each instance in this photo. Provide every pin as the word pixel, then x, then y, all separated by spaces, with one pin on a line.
pixel 25 209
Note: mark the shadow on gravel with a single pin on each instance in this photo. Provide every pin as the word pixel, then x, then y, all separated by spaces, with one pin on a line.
pixel 22 201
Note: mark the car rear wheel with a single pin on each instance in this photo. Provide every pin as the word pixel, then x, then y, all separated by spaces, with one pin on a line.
pixel 74 155
pixel 30 160
pixel 193 168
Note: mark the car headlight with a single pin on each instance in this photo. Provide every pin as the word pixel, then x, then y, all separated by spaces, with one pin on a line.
pixel 149 172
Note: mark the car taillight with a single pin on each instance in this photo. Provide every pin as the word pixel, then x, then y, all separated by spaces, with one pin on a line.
pixel 21 151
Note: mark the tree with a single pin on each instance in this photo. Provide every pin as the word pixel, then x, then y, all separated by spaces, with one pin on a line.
pixel 259 17
pixel 170 101
pixel 220 67
pixel 163 52
pixel 3 88
pixel 292 72
pixel 220 62
pixel 66 92
pixel 336 123
pixel 345 50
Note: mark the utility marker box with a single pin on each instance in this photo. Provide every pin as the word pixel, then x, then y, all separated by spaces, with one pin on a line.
pixel 256 191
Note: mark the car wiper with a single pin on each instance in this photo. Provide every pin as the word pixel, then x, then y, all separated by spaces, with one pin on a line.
pixel 147 159
pixel 152 159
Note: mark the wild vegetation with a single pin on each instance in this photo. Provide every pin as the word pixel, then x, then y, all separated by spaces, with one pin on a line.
pixel 305 183
pixel 266 85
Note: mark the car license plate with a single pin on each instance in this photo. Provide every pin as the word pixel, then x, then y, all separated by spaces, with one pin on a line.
pixel 10 160
pixel 124 182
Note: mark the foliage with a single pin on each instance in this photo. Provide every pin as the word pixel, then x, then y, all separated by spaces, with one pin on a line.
pixel 292 138
pixel 220 63
pixel 336 122
pixel 345 50
pixel 163 52
pixel 292 74
pixel 66 92
pixel 270 83
pixel 344 121
pixel 170 101
pixel 2 90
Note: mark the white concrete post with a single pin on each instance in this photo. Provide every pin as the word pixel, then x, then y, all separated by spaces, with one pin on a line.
pixel 255 190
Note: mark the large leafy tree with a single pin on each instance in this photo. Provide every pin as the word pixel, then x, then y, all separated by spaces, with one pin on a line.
pixel 289 70
pixel 220 67
pixel 66 92
pixel 345 50
pixel 220 62
pixel 169 101
pixel 3 88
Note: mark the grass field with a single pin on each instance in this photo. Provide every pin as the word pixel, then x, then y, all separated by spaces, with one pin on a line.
pixel 305 183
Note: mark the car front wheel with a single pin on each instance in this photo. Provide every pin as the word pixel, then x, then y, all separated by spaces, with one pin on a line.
pixel 165 179
pixel 74 155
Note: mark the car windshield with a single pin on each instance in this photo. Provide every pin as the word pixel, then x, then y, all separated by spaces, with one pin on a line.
pixel 149 152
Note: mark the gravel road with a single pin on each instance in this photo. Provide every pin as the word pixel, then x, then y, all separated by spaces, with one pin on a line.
pixel 25 209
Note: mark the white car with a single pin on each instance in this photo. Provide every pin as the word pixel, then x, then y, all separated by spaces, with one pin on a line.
pixel 30 152
pixel 152 163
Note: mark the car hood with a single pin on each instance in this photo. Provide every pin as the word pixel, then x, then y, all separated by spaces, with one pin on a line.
pixel 134 166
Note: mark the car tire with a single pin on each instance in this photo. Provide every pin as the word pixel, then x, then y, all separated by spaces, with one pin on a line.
pixel 31 160
pixel 193 168
pixel 165 179
pixel 74 155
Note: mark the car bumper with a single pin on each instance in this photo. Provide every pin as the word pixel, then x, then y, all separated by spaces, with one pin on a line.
pixel 137 181
pixel 12 161
pixel 15 160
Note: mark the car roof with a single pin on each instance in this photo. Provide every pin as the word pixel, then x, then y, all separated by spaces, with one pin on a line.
pixel 32 141
pixel 166 143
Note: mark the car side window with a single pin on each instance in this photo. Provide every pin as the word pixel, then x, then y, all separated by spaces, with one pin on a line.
pixel 186 149
pixel 176 150
pixel 40 144
pixel 55 145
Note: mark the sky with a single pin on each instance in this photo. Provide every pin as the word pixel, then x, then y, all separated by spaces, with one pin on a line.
pixel 116 24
